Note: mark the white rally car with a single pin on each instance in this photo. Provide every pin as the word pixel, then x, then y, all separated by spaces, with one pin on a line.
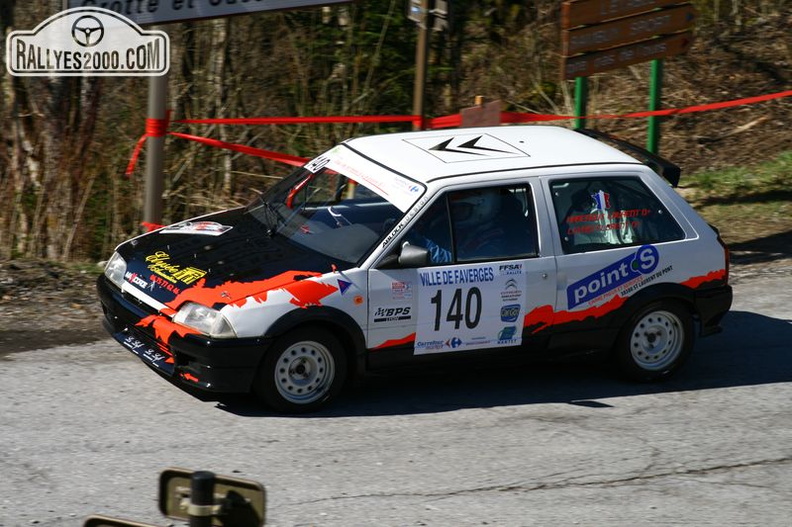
pixel 406 248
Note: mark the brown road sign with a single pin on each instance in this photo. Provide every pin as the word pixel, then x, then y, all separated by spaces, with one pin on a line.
pixel 582 12
pixel 656 48
pixel 626 30
pixel 483 114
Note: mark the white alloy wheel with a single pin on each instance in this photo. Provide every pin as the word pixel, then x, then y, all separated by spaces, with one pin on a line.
pixel 304 372
pixel 657 340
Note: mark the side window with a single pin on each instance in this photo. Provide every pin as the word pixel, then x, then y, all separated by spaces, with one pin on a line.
pixel 605 213
pixel 478 224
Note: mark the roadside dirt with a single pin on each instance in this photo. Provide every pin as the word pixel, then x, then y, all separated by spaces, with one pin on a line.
pixel 43 304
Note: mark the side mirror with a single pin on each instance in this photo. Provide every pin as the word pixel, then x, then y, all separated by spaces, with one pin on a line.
pixel 413 256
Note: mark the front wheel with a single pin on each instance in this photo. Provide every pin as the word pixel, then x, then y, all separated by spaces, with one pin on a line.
pixel 303 371
pixel 655 341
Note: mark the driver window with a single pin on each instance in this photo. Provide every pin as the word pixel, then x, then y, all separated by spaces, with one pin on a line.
pixel 476 225
pixel 432 232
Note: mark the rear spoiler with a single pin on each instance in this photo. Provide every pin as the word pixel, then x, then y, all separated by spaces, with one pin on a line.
pixel 668 170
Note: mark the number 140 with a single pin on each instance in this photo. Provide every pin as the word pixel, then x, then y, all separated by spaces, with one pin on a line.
pixel 469 310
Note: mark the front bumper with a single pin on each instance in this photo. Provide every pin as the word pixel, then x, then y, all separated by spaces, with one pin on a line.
pixel 217 365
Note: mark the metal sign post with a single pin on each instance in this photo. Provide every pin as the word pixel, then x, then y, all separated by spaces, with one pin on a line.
pixel 427 14
pixel 655 94
pixel 155 151
pixel 419 12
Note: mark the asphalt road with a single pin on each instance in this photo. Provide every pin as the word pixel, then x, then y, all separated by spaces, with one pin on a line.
pixel 87 429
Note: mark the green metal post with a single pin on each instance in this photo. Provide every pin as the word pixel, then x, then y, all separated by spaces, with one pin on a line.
pixel 581 101
pixel 655 94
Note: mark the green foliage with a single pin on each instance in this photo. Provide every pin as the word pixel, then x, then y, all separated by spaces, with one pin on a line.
pixel 740 182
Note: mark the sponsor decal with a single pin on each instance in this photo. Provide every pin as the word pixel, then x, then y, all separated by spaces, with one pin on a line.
pixel 390 314
pixel 454 342
pixel 159 264
pixel 507 334
pixel 164 284
pixel 510 313
pixel 343 285
pixel 466 146
pixel 470 275
pixel 206 228
pixel 511 291
pixel 315 165
pixel 401 290
pixel 429 344
pixel 400 191
pixel 87 41
pixel 134 278
pixel 617 274
pixel 161 359
pixel 510 269
pixel 404 221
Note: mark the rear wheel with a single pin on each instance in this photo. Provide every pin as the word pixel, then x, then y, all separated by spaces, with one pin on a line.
pixel 303 371
pixel 655 341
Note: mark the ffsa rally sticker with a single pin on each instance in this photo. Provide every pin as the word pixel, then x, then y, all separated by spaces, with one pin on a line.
pixel 617 274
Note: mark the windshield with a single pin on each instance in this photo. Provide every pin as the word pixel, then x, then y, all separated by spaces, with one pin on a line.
pixel 324 210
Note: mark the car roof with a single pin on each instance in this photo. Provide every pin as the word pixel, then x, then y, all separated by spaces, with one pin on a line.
pixel 428 155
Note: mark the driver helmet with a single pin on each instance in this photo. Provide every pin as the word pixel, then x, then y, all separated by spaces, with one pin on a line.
pixel 471 208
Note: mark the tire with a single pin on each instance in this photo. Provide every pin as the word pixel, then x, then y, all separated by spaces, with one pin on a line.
pixel 655 341
pixel 303 371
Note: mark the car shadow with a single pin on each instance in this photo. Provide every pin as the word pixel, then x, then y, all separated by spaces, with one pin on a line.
pixel 776 246
pixel 753 349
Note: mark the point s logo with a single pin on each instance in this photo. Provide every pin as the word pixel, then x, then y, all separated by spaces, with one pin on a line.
pixel 642 262
pixel 87 41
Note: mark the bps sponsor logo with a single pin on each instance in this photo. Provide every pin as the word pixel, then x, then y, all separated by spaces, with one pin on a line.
pixel 642 262
pixel 389 314
pixel 510 313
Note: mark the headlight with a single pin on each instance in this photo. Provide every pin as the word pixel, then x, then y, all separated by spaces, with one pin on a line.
pixel 205 319
pixel 116 269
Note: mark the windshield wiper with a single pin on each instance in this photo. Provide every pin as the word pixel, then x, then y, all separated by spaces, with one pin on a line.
pixel 272 218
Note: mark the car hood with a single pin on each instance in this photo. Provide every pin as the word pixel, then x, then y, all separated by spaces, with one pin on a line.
pixel 228 250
